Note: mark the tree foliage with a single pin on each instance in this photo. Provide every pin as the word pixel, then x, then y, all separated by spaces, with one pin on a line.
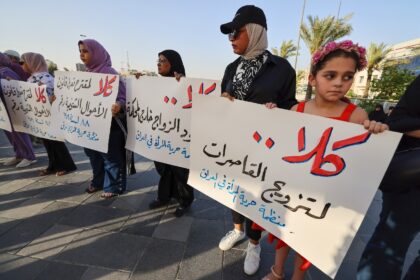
pixel 286 50
pixel 375 55
pixel 392 83
pixel 320 31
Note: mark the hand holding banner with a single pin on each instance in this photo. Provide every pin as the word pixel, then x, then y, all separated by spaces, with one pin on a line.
pixel 306 179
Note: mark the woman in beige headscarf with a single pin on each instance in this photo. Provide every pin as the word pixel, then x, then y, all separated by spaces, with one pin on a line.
pixel 60 161
pixel 256 76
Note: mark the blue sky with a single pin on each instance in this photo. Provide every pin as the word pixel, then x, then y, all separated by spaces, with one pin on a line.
pixel 143 28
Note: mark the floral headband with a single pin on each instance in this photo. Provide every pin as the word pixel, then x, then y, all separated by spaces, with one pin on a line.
pixel 347 46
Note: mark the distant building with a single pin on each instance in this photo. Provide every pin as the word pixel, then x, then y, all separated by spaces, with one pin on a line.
pixel 405 55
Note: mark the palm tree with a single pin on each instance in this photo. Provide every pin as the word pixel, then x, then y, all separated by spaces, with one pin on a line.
pixel 375 55
pixel 286 50
pixel 321 31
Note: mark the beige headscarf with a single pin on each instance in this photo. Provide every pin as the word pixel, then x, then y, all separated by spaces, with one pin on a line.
pixel 35 62
pixel 258 41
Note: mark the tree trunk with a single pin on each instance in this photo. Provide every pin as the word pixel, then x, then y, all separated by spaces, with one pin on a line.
pixel 308 95
pixel 368 80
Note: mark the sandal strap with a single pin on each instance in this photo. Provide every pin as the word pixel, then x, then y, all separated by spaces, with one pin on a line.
pixel 279 277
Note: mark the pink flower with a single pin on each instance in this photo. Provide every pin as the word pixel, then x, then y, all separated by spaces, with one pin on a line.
pixel 317 55
pixel 330 47
pixel 347 44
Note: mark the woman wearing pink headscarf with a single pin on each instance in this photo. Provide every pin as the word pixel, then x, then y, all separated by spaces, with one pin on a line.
pixel 60 161
pixel 24 153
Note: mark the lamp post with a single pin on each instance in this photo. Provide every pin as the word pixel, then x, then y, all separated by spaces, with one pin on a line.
pixel 298 40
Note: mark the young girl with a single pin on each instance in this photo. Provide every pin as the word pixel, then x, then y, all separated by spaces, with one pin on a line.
pixel 332 71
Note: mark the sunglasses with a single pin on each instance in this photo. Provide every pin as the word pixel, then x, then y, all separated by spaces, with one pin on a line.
pixel 234 34
pixel 21 62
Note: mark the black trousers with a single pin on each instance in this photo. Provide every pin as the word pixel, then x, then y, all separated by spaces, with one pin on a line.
pixel 173 183
pixel 59 158
pixel 250 233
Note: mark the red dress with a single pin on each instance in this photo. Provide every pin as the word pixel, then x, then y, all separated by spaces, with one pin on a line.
pixel 345 116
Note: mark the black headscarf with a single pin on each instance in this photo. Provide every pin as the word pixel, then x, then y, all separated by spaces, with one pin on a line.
pixel 176 62
pixel 377 114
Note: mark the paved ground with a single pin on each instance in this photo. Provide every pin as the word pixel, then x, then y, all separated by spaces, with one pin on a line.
pixel 51 229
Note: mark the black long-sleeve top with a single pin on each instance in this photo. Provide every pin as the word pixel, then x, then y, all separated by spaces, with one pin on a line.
pixel 406 115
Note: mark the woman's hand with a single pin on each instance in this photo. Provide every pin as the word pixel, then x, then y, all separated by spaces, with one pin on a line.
pixel 178 76
pixel 228 96
pixel 115 109
pixel 375 127
pixel 52 98
pixel 270 105
pixel 138 75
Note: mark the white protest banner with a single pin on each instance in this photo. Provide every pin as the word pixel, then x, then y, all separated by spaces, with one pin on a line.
pixel 29 108
pixel 159 116
pixel 82 110
pixel 308 180
pixel 4 118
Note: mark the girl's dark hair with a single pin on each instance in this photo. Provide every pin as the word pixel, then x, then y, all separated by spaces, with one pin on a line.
pixel 336 53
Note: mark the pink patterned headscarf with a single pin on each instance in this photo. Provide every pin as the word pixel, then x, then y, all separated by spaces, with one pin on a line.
pixel 35 62
pixel 347 46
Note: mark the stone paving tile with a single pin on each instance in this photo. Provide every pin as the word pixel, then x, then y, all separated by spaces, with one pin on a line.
pixel 27 209
pixel 160 260
pixel 51 242
pixel 203 258
pixel 6 224
pixel 61 271
pixel 29 229
pixel 15 185
pixel 207 209
pixel 71 178
pixel 133 201
pixel 172 228
pixel 17 267
pixel 144 221
pixel 12 174
pixel 233 266
pixel 95 199
pixel 70 192
pixel 104 274
pixel 143 179
pixel 91 216
pixel 12 200
pixel 118 251
pixel 35 188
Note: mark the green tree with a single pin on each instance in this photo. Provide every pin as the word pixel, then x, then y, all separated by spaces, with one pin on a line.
pixel 286 50
pixel 300 75
pixel 392 83
pixel 375 55
pixel 320 31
